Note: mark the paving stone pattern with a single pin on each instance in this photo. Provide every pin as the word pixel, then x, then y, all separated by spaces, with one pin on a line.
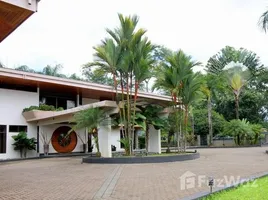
pixel 68 179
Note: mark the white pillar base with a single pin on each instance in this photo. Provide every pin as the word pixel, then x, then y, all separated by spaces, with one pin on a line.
pixel 154 140
pixel 104 134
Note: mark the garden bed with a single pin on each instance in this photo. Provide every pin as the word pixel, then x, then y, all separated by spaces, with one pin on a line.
pixel 143 159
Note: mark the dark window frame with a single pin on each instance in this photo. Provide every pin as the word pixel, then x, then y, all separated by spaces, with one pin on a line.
pixel 3 135
pixel 18 128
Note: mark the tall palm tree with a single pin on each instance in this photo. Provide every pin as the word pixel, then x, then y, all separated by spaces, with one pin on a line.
pixel 207 92
pixel 236 85
pixel 171 77
pixel 126 56
pixel 189 94
pixel 263 21
pixel 53 71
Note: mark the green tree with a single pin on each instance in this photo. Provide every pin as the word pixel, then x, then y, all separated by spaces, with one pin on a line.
pixel 23 143
pixel 25 68
pixel 201 125
pixel 74 76
pixel 239 129
pixel 189 94
pixel 53 71
pixel 98 75
pixel 174 76
pixel 125 56
pixel 263 21
pixel 217 63
pixel 149 115
pixel 91 119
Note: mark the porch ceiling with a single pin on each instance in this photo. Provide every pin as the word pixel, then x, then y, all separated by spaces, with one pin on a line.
pixel 11 16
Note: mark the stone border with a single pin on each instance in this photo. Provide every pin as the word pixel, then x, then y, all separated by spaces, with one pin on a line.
pixel 222 147
pixel 140 160
pixel 204 194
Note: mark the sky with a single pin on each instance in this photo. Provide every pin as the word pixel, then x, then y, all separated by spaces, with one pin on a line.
pixel 64 31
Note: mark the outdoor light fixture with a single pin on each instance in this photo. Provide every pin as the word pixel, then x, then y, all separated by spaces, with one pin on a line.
pixel 210 183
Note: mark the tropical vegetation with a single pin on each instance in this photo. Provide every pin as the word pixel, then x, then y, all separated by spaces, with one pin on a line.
pixel 23 143
pixel 228 97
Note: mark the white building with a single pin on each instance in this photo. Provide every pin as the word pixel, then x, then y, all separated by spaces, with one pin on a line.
pixel 19 90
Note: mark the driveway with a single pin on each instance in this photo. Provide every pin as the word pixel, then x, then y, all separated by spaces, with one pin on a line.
pixel 68 179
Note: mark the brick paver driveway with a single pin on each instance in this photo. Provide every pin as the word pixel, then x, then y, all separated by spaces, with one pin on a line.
pixel 68 179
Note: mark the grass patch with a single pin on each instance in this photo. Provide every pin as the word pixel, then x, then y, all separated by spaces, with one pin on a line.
pixel 255 190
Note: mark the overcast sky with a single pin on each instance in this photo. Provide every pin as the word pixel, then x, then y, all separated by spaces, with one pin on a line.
pixel 64 31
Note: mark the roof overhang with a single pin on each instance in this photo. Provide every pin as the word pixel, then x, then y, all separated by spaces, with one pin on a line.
pixel 54 117
pixel 13 13
pixel 87 89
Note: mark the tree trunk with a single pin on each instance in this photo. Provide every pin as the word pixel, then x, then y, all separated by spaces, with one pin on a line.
pixel 168 142
pixel 128 115
pixel 136 140
pixel 210 130
pixel 236 106
pixel 192 123
pixel 186 124
pixel 147 138
pixel 25 152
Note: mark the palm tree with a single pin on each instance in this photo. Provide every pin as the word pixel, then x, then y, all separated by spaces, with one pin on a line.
pixel 236 85
pixel 149 115
pixel 171 77
pixel 263 21
pixel 189 94
pixel 53 71
pixel 126 56
pixel 91 119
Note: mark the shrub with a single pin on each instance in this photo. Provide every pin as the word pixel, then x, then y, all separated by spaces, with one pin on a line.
pixel 43 107
pixel 243 131
pixel 23 143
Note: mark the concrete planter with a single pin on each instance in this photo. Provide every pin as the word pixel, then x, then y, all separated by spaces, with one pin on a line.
pixel 140 160
pixel 33 114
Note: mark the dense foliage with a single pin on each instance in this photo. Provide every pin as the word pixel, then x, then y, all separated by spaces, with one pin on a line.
pixel 23 143
pixel 42 107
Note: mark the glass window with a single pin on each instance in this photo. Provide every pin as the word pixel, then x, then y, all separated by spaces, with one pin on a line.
pixel 70 104
pixel 3 138
pixel 17 129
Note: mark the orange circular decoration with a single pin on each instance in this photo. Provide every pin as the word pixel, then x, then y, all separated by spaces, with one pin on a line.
pixel 63 142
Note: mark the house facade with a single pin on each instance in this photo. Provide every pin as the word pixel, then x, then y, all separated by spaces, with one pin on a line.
pixel 19 90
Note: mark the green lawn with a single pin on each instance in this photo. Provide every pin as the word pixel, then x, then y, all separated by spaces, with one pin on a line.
pixel 257 190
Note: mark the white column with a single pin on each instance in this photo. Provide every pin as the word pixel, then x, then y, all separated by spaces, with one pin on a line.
pixel 198 140
pixel 154 140
pixel 77 100
pixel 104 134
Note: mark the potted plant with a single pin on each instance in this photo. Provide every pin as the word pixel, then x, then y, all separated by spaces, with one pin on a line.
pixel 46 142
pixel 23 143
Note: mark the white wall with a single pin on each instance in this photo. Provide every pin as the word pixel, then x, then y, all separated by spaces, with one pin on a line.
pixel 154 140
pixel 49 129
pixel 12 102
pixel 89 101
pixel 115 137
